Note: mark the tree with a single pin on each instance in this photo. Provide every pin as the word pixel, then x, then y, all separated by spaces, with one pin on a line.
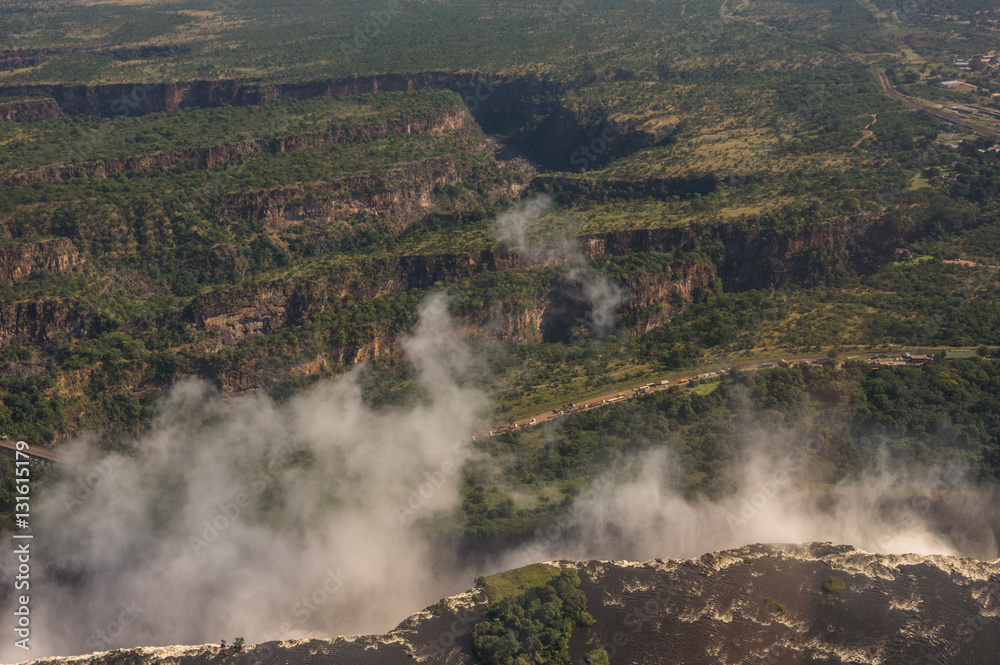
pixel 834 586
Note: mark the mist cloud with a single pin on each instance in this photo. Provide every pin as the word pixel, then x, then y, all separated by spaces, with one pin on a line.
pixel 245 517
pixel 513 226
pixel 638 511
pixel 517 229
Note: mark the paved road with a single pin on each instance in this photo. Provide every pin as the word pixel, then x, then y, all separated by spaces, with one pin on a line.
pixel 33 451
pixel 944 115
pixel 629 393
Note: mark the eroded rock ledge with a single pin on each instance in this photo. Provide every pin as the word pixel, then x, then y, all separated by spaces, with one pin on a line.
pixel 755 604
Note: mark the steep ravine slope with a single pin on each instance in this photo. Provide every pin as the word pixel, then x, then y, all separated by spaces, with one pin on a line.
pixel 751 258
pixel 526 108
pixel 18 261
pixel 756 604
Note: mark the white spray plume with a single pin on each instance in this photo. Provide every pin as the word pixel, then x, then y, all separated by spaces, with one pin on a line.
pixel 637 511
pixel 249 518
pixel 602 296
pixel 605 297
pixel 512 226
pixel 274 521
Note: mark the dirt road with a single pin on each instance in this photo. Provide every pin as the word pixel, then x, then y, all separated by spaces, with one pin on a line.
pixel 656 385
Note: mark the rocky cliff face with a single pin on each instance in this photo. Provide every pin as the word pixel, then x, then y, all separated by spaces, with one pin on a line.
pixel 667 295
pixel 527 107
pixel 523 326
pixel 19 261
pixel 570 189
pixel 752 258
pixel 28 109
pixel 42 322
pixel 232 153
pixel 394 199
pixel 242 312
pixel 756 604
pixel 142 98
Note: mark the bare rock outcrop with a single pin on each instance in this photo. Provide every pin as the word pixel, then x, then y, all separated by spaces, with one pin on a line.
pixel 18 261
pixel 21 110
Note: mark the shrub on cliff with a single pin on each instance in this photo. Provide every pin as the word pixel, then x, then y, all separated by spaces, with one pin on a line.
pixel 534 627
pixel 834 585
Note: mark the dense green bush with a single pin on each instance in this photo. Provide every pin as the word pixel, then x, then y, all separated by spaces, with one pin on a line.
pixel 534 627
pixel 834 586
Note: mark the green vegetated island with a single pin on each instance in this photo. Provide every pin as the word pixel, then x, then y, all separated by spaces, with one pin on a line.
pixel 262 194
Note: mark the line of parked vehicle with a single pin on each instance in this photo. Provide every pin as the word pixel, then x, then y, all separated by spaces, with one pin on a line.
pixel 571 407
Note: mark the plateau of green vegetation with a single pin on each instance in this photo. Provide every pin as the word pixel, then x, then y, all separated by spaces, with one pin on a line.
pixel 514 583
pixel 89 139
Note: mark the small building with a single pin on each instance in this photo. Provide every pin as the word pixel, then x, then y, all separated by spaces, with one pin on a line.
pixel 959 354
pixel 919 360
pixel 948 84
